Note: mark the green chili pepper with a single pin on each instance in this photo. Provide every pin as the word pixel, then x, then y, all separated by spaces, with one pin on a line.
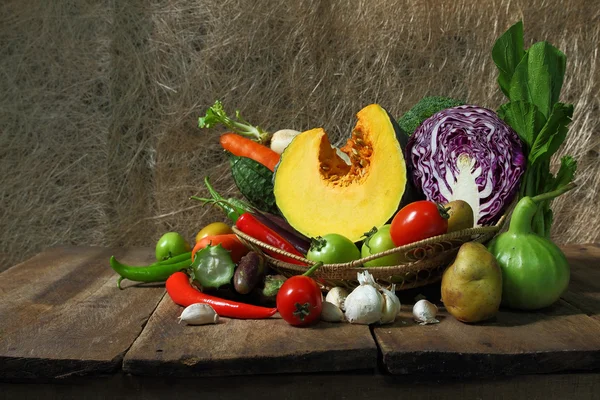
pixel 233 207
pixel 156 272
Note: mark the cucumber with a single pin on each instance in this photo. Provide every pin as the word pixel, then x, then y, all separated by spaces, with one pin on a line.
pixel 255 182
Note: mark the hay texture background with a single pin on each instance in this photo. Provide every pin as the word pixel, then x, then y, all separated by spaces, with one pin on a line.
pixel 99 102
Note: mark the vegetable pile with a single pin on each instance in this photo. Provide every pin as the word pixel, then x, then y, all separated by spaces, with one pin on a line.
pixel 444 166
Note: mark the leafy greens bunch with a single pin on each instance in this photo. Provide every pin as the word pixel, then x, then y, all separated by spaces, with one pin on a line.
pixel 532 80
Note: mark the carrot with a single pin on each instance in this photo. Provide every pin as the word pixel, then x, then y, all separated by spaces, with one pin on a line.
pixel 243 147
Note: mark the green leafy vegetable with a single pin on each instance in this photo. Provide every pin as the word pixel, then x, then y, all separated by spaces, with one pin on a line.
pixel 507 53
pixel 532 80
pixel 424 109
pixel 539 76
pixel 217 115
pixel 524 118
pixel 553 134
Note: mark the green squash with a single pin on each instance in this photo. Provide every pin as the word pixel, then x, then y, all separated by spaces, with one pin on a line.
pixel 535 271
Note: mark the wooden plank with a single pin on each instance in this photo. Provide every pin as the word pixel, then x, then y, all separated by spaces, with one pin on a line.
pixel 62 313
pixel 347 386
pixel 240 347
pixel 584 286
pixel 559 338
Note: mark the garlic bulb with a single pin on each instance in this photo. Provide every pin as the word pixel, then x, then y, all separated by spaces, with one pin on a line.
pixel 199 314
pixel 331 313
pixel 424 312
pixel 337 296
pixel 391 305
pixel 364 305
pixel 282 138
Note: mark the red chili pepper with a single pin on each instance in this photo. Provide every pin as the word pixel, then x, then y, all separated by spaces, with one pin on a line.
pixel 184 294
pixel 248 224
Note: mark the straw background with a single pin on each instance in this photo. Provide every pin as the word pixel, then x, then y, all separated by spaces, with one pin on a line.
pixel 99 99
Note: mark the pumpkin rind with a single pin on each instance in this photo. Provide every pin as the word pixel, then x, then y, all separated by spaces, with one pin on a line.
pixel 320 193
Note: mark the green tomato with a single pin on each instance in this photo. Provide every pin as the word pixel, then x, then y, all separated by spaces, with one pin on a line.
pixel 377 242
pixel 171 244
pixel 332 249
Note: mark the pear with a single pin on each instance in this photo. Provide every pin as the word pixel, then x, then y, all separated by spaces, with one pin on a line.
pixel 472 284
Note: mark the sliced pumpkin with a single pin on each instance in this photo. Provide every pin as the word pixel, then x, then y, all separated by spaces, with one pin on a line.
pixel 320 189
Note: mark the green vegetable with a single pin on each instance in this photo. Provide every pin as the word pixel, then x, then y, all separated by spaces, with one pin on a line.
pixel 217 115
pixel 255 182
pixel 156 272
pixel 233 207
pixel 332 248
pixel 535 271
pixel 212 267
pixel 272 285
pixel 377 241
pixel 532 80
pixel 424 109
pixel 171 244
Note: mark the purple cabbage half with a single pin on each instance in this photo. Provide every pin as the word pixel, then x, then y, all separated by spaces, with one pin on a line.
pixel 467 153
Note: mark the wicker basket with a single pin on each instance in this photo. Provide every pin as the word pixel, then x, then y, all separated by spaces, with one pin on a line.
pixel 425 260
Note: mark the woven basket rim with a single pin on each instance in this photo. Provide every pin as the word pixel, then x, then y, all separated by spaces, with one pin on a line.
pixel 483 231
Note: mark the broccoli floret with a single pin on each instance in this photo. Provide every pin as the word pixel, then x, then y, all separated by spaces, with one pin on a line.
pixel 424 109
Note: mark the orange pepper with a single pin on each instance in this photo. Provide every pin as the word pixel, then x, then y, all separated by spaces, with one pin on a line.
pixel 228 241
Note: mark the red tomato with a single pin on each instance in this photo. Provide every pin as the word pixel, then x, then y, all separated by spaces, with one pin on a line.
pixel 299 301
pixel 418 221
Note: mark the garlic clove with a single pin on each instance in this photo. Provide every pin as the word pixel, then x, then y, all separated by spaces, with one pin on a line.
pixel 424 312
pixel 337 296
pixel 331 313
pixel 391 306
pixel 199 314
pixel 282 138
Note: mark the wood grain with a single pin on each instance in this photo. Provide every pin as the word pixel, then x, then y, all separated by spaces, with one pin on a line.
pixel 241 347
pixel 62 313
pixel 562 337
pixel 584 287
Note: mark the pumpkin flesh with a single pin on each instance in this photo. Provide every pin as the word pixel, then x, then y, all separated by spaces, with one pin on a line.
pixel 320 192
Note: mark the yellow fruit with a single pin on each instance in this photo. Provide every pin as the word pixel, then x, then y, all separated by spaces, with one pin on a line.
pixel 215 228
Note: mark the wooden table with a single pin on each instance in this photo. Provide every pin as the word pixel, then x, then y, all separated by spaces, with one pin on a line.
pixel 66 329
